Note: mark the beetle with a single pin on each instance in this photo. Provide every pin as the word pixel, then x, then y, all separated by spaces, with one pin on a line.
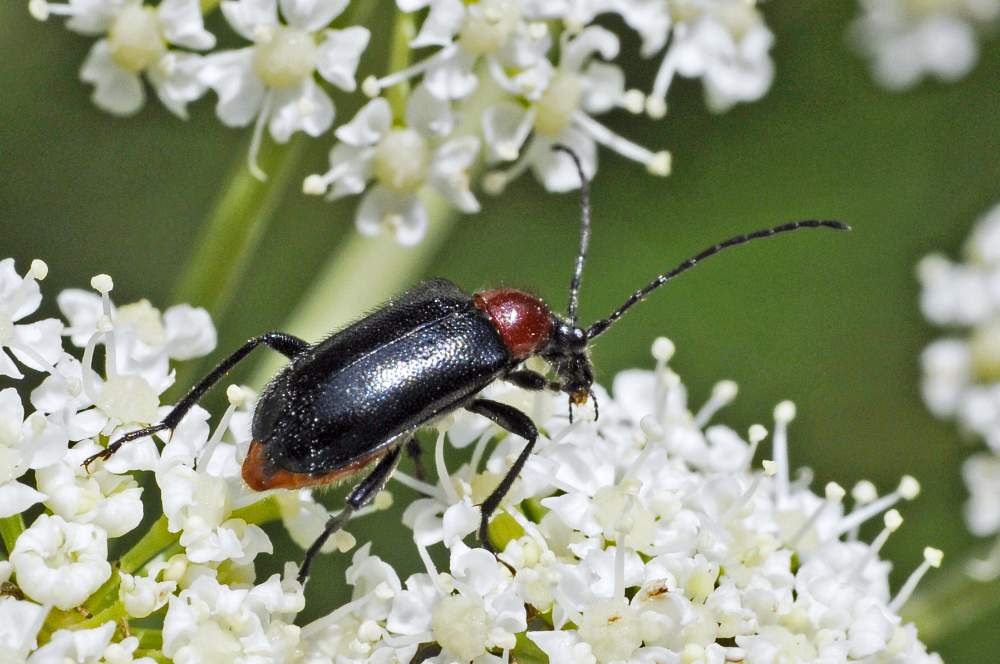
pixel 356 398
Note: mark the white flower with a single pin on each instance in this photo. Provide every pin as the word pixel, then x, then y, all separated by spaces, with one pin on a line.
pixel 961 373
pixel 110 501
pixel 561 114
pixel 505 35
pixel 88 645
pixel 20 622
pixel 137 44
pixel 210 620
pixel 723 42
pixel 60 563
pixel 908 40
pixel 35 345
pixel 273 80
pixel 25 443
pixel 402 161
pixel 142 595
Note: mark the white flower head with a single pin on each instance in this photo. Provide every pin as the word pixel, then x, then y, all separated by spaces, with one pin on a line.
pixel 60 563
pixel 135 43
pixel 35 345
pixel 34 442
pixel 273 82
pixel 907 41
pixel 561 113
pixel 402 162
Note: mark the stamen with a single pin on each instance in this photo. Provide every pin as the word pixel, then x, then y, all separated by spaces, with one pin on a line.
pixel 419 486
pixel 863 493
pixel 372 86
pixel 909 488
pixel 932 558
pixel 723 394
pixel 657 163
pixel 444 478
pixel 834 494
pixel 663 350
pixel 496 181
pixel 237 398
pixel 90 377
pixel 34 355
pixel 656 103
pixel 40 10
pixel 756 434
pixel 892 520
pixel 784 413
pixel 479 450
pixel 38 270
pixel 258 136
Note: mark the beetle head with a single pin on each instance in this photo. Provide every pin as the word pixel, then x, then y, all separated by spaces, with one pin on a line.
pixel 566 352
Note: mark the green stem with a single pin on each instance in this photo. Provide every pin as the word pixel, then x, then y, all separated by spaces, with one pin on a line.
pixel 362 273
pixel 114 612
pixel 11 528
pixel 228 240
pixel 156 539
pixel 951 602
pixel 403 31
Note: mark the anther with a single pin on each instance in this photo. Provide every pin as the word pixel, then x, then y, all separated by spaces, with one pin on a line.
pixel 102 283
pixel 38 270
pixel 237 395
pixel 932 558
pixel 634 101
pixel 663 349
pixel 39 10
pixel 314 185
pixel 660 164
pixel 370 86
pixel 656 107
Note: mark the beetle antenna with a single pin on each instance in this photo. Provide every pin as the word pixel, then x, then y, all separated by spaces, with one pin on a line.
pixel 581 257
pixel 600 326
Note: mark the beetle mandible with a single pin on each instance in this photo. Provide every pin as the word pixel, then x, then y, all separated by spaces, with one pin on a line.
pixel 356 398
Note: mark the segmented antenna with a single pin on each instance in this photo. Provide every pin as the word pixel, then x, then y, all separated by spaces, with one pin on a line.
pixel 600 326
pixel 581 257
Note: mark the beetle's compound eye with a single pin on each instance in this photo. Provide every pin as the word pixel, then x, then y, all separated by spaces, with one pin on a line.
pixel 578 340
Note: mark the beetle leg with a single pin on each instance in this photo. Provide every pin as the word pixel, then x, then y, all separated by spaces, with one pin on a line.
pixel 532 380
pixel 415 453
pixel 285 344
pixel 362 494
pixel 519 424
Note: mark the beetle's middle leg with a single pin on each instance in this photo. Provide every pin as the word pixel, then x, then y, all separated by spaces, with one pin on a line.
pixel 362 494
pixel 519 424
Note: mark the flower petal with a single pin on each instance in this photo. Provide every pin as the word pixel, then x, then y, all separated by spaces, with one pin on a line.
pixel 175 79
pixel 404 214
pixel 441 24
pixel 303 108
pixel 311 15
pixel 246 16
pixel 555 170
pixel 368 125
pixel 240 91
pixel 450 172
pixel 116 90
pixel 182 24
pixel 339 54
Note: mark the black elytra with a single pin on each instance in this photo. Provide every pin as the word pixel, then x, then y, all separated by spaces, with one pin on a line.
pixel 357 397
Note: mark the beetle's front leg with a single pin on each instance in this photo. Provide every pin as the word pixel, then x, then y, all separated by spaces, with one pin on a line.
pixel 285 344
pixel 362 494
pixel 519 424
pixel 532 380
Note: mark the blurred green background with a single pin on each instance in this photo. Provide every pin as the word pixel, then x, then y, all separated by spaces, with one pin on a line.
pixel 830 321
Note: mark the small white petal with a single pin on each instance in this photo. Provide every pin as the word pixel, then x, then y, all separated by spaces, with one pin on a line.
pixel 183 25
pixel 311 15
pixel 339 54
pixel 116 90
pixel 240 91
pixel 248 16
pixel 305 108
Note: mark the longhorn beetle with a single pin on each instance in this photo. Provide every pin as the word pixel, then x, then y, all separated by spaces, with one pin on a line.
pixel 357 397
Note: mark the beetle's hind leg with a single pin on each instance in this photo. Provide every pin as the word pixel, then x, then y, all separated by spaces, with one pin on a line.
pixel 519 424
pixel 360 496
pixel 285 344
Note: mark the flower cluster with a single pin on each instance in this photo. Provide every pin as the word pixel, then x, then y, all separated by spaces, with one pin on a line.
pixel 647 536
pixel 961 373
pixel 498 82
pixel 907 40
